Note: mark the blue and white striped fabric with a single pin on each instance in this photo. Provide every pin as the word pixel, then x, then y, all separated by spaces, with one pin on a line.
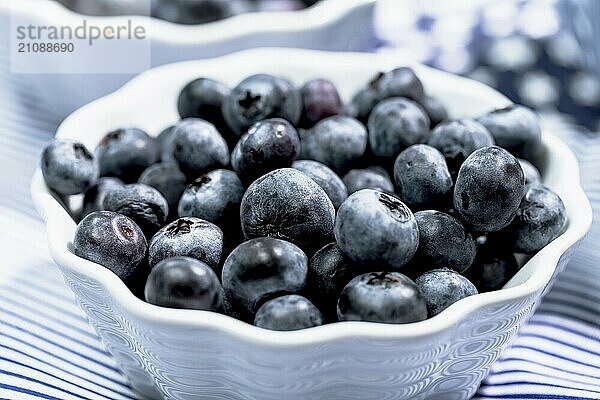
pixel 48 350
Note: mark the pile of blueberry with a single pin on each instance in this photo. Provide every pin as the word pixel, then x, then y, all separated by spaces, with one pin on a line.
pixel 289 209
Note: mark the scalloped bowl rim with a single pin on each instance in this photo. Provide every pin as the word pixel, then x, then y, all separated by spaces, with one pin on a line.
pixel 57 220
pixel 266 22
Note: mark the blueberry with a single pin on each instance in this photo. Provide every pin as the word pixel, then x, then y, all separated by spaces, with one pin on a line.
pixel 287 204
pixel 488 189
pixel 395 124
pixel 94 196
pixel 230 309
pixel 443 242
pixel 190 237
pixel 388 297
pixel 457 139
pixel 320 99
pixel 532 174
pixel 215 197
pixel 363 103
pixel 164 141
pixel 125 153
pixel 184 282
pixel 167 178
pixel 435 110
pixel 329 271
pixel 422 176
pixel 288 313
pixel 442 288
pixel 515 128
pixel 142 203
pixel 540 219
pixel 338 142
pixel 375 178
pixel 263 268
pixel 376 228
pixel 260 97
pixel 493 267
pixel 328 180
pixel 68 167
pixel 203 98
pixel 113 241
pixel 268 145
pixel 400 82
pixel 198 147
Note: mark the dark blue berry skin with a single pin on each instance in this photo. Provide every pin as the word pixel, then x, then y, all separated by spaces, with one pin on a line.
pixel 198 147
pixel 435 110
pixel 532 174
pixel 457 139
pixel 320 99
pixel 230 309
pixel 68 167
pixel 125 153
pixel 442 288
pixel 260 97
pixel 363 103
pixel 113 241
pixel 288 313
pixel 399 82
pixel 387 297
pixel 215 197
pixel 190 237
pixel 328 180
pixel 376 228
pixel 94 196
pixel 443 242
pixel 329 271
pixel 515 128
pixel 142 203
pixel 287 204
pixel 422 176
pixel 540 219
pixel 395 124
pixel 263 268
pixel 375 178
pixel 268 145
pixel 488 189
pixel 203 98
pixel 338 142
pixel 493 267
pixel 184 282
pixel 167 178
pixel 164 141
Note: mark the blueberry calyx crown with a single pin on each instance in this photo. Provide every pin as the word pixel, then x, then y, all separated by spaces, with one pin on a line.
pixel 396 207
pixel 250 103
pixel 114 135
pixel 387 279
pixel 181 226
pixel 81 151
pixel 127 231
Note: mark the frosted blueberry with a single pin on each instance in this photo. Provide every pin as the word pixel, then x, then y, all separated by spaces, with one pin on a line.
pixel 68 167
pixel 376 228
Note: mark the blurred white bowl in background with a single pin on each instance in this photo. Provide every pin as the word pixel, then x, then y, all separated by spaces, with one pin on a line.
pixel 336 25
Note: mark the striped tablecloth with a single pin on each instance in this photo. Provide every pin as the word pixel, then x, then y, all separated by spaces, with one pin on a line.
pixel 48 350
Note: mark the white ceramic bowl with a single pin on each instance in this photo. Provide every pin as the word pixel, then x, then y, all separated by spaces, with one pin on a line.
pixel 187 354
pixel 336 25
